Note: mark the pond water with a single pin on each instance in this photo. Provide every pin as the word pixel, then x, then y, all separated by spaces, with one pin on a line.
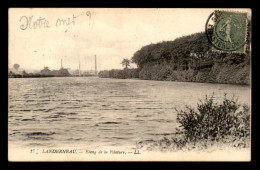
pixel 96 112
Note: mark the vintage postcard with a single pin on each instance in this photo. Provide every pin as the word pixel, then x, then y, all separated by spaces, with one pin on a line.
pixel 129 84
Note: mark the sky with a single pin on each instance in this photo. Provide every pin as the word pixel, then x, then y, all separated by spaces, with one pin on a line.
pixel 110 34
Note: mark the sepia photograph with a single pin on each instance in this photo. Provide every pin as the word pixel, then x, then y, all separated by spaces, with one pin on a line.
pixel 129 84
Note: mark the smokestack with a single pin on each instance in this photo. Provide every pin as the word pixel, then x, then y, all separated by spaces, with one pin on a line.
pixel 61 64
pixel 79 68
pixel 95 65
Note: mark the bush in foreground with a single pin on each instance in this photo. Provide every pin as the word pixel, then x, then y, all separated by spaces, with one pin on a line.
pixel 211 124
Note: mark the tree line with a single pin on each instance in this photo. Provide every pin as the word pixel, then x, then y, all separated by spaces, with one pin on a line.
pixel 187 58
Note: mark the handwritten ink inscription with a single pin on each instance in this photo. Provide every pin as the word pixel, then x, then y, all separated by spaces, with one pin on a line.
pixel 30 22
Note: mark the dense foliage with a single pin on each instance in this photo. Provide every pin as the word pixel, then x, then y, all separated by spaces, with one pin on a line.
pixel 215 121
pixel 43 73
pixel 192 51
pixel 189 58
pixel 119 74
pixel 31 75
pixel 26 75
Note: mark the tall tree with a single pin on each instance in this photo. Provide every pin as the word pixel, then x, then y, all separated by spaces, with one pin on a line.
pixel 125 62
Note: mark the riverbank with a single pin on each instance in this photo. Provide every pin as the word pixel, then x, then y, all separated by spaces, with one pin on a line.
pixel 220 73
pixel 44 76
pixel 187 59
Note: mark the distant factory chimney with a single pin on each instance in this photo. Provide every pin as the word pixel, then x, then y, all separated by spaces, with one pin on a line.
pixel 79 68
pixel 61 64
pixel 95 65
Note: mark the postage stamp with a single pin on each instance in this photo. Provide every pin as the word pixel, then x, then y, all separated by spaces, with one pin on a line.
pixel 228 31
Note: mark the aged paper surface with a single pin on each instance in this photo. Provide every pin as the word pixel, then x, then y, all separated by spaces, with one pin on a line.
pixel 104 84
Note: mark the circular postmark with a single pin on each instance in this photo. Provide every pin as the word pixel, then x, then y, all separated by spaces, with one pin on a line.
pixel 226 31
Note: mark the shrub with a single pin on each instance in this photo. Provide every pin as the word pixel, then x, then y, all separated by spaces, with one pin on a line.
pixel 103 74
pixel 211 124
pixel 214 121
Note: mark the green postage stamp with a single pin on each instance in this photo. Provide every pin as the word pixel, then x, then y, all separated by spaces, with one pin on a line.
pixel 228 31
